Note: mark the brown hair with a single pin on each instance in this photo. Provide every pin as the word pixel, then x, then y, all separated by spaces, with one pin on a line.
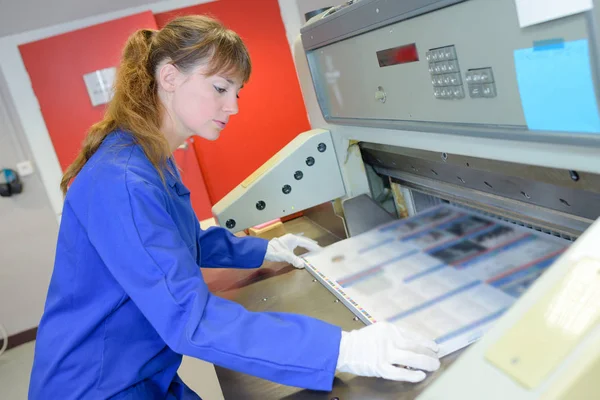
pixel 185 42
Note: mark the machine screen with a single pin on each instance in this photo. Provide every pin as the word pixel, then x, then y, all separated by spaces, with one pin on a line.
pixel 398 55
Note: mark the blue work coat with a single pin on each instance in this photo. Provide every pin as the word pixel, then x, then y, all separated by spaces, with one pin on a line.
pixel 127 298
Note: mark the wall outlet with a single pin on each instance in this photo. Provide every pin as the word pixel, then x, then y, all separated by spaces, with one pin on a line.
pixel 25 168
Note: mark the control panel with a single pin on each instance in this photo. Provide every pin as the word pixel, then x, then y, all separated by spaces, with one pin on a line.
pixel 454 65
pixel 304 174
pixel 445 73
pixel 481 83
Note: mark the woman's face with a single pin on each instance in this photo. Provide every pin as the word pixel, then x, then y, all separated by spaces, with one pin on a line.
pixel 201 105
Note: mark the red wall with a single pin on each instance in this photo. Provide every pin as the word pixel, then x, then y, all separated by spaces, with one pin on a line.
pixel 56 66
pixel 272 110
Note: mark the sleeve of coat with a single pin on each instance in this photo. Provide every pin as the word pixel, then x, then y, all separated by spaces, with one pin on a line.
pixel 140 244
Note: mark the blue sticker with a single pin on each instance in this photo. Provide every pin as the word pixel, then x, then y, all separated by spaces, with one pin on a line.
pixel 557 91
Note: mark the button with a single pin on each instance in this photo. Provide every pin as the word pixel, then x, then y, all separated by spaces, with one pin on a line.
pixel 230 224
pixel 481 75
pixel 476 91
pixel 310 161
pixel 298 175
pixel 431 68
pixel 428 56
pixel 574 175
pixel 434 56
pixel 437 68
pixel 322 147
pixel 459 92
pixel 489 90
pixel 450 53
pixel 261 205
pixel 452 66
pixel 440 81
pixel 444 67
pixel 447 80
pixel 486 75
pixel 455 79
pixel 287 189
pixel 437 93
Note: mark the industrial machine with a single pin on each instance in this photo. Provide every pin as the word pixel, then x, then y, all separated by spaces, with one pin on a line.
pixel 491 105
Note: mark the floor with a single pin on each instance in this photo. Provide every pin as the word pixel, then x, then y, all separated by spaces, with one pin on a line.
pixel 15 367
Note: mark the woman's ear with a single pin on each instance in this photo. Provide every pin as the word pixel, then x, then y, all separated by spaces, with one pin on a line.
pixel 168 77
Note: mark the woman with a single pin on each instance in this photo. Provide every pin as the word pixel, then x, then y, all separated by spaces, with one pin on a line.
pixel 127 297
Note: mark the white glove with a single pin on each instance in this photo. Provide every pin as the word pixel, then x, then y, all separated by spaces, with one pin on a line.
pixel 382 350
pixel 282 249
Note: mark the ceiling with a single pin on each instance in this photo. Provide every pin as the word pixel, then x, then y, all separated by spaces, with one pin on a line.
pixel 18 16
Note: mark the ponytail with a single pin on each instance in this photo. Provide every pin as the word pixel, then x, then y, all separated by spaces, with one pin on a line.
pixel 134 107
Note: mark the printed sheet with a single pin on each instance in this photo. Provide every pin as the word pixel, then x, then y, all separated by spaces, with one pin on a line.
pixel 447 273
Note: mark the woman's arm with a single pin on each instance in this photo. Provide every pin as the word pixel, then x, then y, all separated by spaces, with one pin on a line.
pixel 219 248
pixel 140 244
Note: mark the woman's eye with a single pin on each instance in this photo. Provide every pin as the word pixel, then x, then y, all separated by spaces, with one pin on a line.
pixel 220 90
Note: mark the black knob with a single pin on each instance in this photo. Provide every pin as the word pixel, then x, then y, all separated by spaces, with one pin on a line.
pixel 261 205
pixel 286 189
pixel 574 175
pixel 298 175
pixel 230 224
pixel 310 161
pixel 322 147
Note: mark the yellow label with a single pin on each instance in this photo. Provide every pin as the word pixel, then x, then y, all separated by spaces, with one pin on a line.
pixel 580 380
pixel 534 347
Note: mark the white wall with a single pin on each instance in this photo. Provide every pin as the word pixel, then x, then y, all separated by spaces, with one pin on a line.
pixel 28 231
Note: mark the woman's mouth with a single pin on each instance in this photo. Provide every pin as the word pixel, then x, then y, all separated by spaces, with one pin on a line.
pixel 220 124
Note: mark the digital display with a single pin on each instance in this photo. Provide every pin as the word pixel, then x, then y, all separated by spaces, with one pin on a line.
pixel 398 55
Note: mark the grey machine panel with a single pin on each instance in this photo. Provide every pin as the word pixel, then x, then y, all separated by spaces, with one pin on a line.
pixel 363 214
pixel 354 17
pixel 475 36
